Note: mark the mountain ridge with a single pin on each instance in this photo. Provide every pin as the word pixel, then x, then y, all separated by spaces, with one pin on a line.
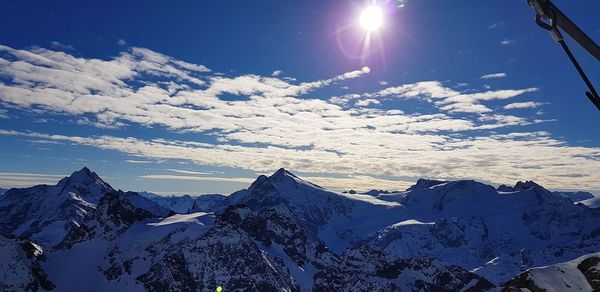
pixel 312 237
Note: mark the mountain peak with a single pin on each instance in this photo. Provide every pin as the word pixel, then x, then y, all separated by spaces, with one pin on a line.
pixel 86 183
pixel 282 172
pixel 519 186
pixel 85 174
pixel 424 183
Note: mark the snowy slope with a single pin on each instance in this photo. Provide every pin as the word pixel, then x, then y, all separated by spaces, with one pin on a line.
pixel 20 266
pixel 114 265
pixel 268 251
pixel 575 196
pixel 496 234
pixel 581 274
pixel 592 203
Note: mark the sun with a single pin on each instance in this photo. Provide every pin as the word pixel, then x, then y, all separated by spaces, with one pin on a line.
pixel 371 18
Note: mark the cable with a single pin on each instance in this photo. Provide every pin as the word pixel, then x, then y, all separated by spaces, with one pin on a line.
pixel 592 94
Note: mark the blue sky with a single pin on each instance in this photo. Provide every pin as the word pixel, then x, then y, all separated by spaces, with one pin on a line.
pixel 203 96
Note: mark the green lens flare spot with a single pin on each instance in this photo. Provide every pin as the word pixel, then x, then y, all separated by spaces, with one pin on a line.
pixel 219 289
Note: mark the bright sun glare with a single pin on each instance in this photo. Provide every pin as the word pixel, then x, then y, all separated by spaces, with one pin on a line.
pixel 371 18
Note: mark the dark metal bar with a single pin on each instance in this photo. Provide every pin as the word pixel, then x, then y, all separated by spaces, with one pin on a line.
pixel 592 94
pixel 567 26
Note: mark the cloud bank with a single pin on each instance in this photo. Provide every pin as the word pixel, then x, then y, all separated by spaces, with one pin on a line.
pixel 261 123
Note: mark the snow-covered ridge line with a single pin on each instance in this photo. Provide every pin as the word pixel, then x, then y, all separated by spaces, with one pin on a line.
pixel 282 220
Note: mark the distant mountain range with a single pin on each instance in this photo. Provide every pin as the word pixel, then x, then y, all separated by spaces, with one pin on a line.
pixel 187 203
pixel 286 234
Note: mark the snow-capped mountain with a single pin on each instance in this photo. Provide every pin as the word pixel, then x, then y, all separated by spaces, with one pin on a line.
pixel 581 274
pixel 46 214
pixel 284 233
pixel 312 205
pixel 497 234
pixel 465 223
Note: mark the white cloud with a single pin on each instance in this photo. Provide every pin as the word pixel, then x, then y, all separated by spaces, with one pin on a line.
pixel 506 42
pixel 139 161
pixel 189 172
pixel 198 178
pixel 20 179
pixel 449 99
pixel 495 75
pixel 261 123
pixel 61 46
pixel 121 42
pixel 360 183
pixel 276 73
pixel 366 102
pixel 495 158
pixel 521 105
pixel 496 25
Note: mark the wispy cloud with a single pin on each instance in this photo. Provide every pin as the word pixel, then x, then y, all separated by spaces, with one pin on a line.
pixel 521 105
pixel 495 75
pixel 506 42
pixel 61 46
pixel 198 178
pixel 139 161
pixel 24 179
pixel 359 183
pixel 496 25
pixel 189 172
pixel 401 3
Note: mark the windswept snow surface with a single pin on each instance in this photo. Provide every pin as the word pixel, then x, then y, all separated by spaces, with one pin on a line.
pixel 84 265
pixel 183 218
pixel 592 203
pixel 576 275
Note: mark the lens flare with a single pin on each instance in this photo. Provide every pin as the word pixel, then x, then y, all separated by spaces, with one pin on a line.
pixel 371 18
